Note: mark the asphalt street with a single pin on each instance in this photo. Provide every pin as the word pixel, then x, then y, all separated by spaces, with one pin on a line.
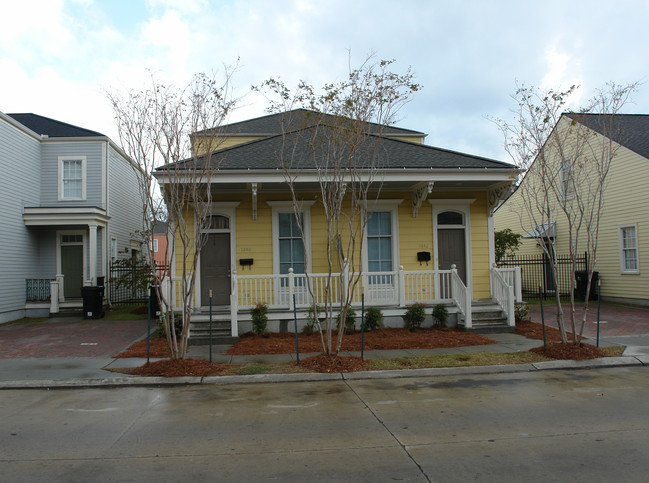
pixel 569 425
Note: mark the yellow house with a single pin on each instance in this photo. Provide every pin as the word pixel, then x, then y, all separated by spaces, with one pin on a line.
pixel 624 224
pixel 429 236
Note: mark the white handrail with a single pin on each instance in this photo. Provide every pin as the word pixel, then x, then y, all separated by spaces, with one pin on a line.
pixel 503 293
pixel 461 297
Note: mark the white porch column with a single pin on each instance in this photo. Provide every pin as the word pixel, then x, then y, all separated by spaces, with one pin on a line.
pixel 234 305
pixel 92 254
pixel 59 282
pixel 402 288
pixel 54 297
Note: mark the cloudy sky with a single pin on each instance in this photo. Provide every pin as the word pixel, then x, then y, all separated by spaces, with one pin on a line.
pixel 58 57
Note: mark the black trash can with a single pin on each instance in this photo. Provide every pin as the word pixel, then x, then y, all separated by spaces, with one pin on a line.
pixel 93 302
pixel 581 277
pixel 153 301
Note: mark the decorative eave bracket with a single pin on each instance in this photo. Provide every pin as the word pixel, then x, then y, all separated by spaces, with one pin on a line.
pixel 498 194
pixel 419 193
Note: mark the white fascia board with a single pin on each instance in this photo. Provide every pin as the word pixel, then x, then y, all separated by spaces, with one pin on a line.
pixel 266 176
pixel 64 216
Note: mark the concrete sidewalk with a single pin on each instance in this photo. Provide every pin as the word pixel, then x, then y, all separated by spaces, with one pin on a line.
pixel 96 371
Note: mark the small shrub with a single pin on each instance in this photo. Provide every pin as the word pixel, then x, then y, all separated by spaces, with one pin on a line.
pixel 373 318
pixel 178 326
pixel 440 314
pixel 311 319
pixel 414 317
pixel 521 312
pixel 350 320
pixel 259 319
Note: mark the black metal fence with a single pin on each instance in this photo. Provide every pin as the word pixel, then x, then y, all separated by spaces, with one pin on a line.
pixel 128 283
pixel 536 271
pixel 38 289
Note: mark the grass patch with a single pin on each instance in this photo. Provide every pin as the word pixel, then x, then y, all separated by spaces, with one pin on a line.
pixel 270 368
pixel 455 360
pixel 613 351
pixel 125 312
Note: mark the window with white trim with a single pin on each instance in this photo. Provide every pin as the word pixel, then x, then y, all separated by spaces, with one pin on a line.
pixel 290 250
pixel 567 180
pixel 72 178
pixel 291 246
pixel 113 249
pixel 379 241
pixel 629 249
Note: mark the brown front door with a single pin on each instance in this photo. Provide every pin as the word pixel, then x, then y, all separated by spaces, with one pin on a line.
pixel 451 250
pixel 215 269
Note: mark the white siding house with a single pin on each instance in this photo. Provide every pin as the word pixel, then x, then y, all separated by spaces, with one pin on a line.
pixel 69 196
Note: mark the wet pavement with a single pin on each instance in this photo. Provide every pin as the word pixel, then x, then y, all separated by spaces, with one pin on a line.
pixel 69 337
pixel 615 320
pixel 76 352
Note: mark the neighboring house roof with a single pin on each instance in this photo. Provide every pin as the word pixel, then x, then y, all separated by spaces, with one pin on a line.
pixel 289 121
pixel 629 130
pixel 51 127
pixel 263 154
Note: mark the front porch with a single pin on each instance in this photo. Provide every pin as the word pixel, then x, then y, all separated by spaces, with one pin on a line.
pixel 288 295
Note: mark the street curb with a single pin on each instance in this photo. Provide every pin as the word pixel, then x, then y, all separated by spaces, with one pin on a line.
pixel 134 381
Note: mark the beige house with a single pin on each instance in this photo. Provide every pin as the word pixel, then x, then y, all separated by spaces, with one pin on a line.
pixel 623 250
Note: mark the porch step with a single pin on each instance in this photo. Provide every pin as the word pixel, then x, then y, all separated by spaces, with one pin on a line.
pixel 199 330
pixel 488 318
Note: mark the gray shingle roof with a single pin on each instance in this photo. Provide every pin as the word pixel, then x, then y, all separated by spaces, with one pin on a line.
pixel 264 154
pixel 298 118
pixel 629 130
pixel 51 127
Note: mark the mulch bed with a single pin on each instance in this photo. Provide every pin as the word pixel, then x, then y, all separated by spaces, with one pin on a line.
pixel 177 368
pixel 558 350
pixel 554 347
pixel 534 330
pixel 382 339
pixel 157 349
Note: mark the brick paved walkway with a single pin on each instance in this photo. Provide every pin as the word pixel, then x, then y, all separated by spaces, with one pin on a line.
pixel 69 337
pixel 615 320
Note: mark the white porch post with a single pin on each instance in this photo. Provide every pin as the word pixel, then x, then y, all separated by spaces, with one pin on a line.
pixel 343 289
pixel 518 286
pixel 54 297
pixel 291 289
pixel 92 254
pixel 234 305
pixel 402 288
pixel 59 282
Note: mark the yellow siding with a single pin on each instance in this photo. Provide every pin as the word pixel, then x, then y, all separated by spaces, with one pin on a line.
pixel 625 202
pixel 221 143
pixel 254 240
pixel 480 248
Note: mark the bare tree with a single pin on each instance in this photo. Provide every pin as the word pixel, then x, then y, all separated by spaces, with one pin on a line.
pixel 155 127
pixel 339 138
pixel 565 158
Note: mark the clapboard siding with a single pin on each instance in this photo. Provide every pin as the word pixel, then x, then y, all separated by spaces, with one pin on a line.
pixel 50 172
pixel 125 203
pixel 19 187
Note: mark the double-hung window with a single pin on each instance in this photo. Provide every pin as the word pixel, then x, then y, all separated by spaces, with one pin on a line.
pixel 379 241
pixel 291 245
pixel 629 249
pixel 72 178
pixel 567 179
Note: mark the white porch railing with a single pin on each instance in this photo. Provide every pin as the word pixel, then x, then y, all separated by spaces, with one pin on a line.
pixel 512 277
pixel 502 291
pixel 398 288
pixel 461 297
